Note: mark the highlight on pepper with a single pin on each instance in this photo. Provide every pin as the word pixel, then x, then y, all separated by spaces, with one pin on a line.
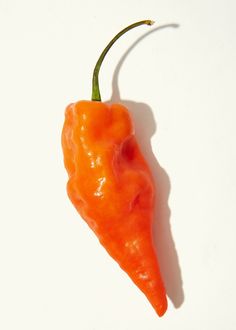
pixel 111 185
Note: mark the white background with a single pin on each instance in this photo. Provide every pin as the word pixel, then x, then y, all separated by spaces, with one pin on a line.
pixel 179 83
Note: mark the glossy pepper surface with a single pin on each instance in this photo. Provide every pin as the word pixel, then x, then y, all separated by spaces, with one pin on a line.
pixel 111 186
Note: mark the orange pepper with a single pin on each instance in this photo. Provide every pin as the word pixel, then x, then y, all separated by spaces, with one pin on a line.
pixel 111 185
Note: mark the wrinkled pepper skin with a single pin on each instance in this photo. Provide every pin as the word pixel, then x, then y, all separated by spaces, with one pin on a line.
pixel 111 186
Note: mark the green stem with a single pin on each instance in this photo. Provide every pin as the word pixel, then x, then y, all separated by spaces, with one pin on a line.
pixel 95 84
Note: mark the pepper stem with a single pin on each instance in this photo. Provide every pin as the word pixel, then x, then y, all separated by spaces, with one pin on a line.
pixel 95 84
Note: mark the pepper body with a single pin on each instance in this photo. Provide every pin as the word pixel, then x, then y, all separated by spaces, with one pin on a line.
pixel 111 186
